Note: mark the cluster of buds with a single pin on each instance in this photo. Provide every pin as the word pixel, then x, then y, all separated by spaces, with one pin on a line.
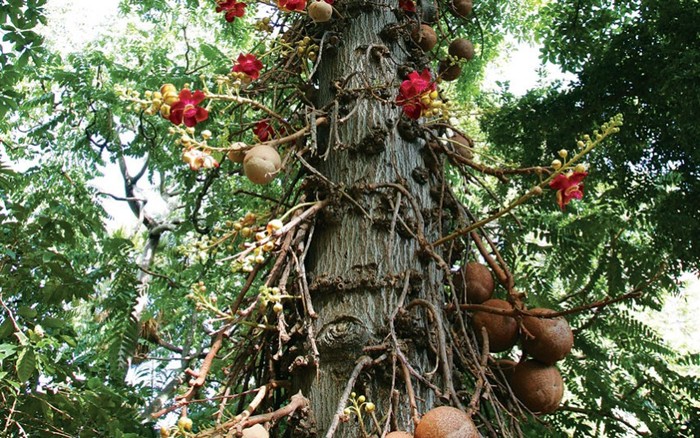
pixel 133 96
pixel 231 229
pixel 161 101
pixel 359 404
pixel 434 106
pixel 268 295
pixel 564 154
pixel 263 25
pixel 264 243
pixel 307 48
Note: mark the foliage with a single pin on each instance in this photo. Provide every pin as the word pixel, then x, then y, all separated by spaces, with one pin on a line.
pixel 21 46
pixel 634 58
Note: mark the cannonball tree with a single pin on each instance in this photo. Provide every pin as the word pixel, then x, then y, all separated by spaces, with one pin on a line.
pixel 345 319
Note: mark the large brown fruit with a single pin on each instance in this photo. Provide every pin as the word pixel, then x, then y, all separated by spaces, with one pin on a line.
pixel 552 337
pixel 399 434
pixel 237 152
pixel 505 366
pixel 502 330
pixel 446 422
pixel 449 72
pixel 461 48
pixel 464 146
pixel 320 11
pixel 478 279
pixel 463 8
pixel 255 431
pixel 425 37
pixel 261 164
pixel 538 386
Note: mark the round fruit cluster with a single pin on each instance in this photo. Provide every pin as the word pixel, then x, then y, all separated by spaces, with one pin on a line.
pixel 535 381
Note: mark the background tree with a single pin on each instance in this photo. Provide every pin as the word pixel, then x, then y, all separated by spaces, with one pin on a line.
pixel 229 320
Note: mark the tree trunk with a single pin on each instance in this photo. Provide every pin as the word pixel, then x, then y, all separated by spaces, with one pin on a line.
pixel 363 249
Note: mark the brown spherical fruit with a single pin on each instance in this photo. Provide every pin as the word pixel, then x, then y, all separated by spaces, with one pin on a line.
pixel 446 422
pixel 463 8
pixel 479 281
pixel 320 11
pixel 399 434
pixel 256 431
pixel 449 72
pixel 505 366
pixel 462 49
pixel 464 146
pixel 425 37
pixel 538 386
pixel 551 338
pixel 237 152
pixel 502 330
pixel 261 164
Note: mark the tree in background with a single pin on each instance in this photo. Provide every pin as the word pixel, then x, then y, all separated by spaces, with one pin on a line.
pixel 312 271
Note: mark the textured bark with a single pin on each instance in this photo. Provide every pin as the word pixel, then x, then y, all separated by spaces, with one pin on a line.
pixel 356 267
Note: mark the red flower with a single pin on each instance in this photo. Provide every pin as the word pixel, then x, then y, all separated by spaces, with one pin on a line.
pixel 263 130
pixel 232 8
pixel 413 91
pixel 407 5
pixel 186 108
pixel 568 186
pixel 292 5
pixel 249 65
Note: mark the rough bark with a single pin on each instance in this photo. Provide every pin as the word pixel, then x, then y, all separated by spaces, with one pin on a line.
pixel 359 259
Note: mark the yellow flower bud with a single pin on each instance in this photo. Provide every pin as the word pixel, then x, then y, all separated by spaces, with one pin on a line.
pixel 580 168
pixel 184 423
pixel 556 164
pixel 369 407
pixel 165 111
pixel 168 88
pixel 563 153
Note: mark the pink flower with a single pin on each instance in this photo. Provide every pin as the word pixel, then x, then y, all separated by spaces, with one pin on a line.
pixel 263 130
pixel 199 159
pixel 414 91
pixel 292 5
pixel 407 5
pixel 232 8
pixel 568 186
pixel 249 65
pixel 186 109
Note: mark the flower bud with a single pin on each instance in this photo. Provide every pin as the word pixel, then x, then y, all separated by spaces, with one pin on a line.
pixel 168 88
pixel 580 168
pixel 556 164
pixel 274 225
pixel 563 153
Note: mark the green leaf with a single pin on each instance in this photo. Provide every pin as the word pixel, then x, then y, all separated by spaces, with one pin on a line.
pixel 6 350
pixel 27 312
pixel 26 364
pixel 6 328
